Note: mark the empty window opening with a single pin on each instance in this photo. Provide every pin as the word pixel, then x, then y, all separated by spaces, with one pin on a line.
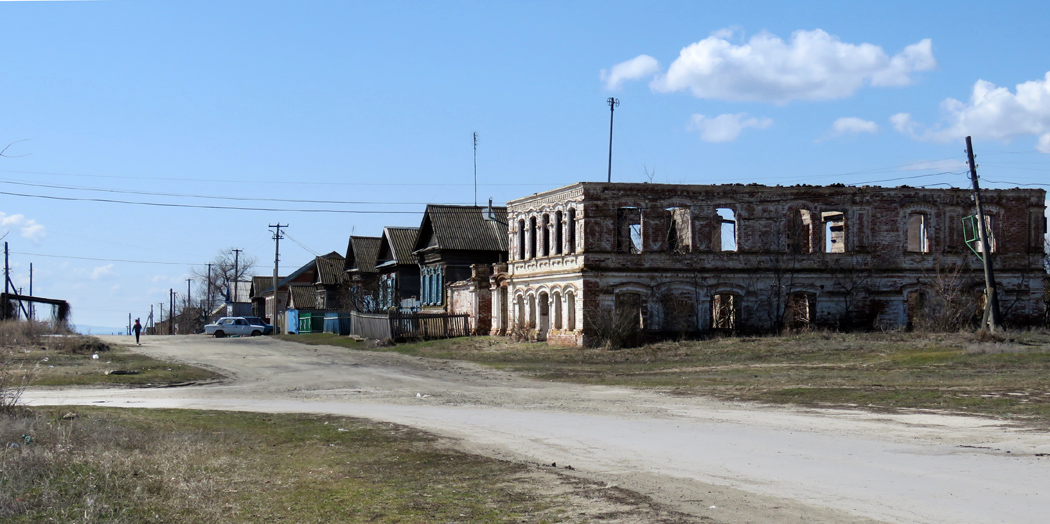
pixel 800 232
pixel 520 306
pixel 556 301
pixel 725 232
pixel 723 311
pixel 629 230
pixel 532 312
pixel 972 233
pixel 570 306
pixel 629 316
pixel 679 313
pixel 918 235
pixel 799 310
pixel 521 239
pixel 679 231
pixel 834 231
pixel 570 228
pixel 532 237
pixel 557 233
pixel 546 235
pixel 543 320
pixel 916 308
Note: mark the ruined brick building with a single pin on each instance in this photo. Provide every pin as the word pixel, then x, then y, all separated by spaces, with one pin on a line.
pixel 677 259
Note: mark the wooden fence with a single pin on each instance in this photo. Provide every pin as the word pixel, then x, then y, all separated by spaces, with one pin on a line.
pixel 407 326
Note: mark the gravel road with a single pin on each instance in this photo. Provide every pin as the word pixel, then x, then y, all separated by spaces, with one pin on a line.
pixel 727 462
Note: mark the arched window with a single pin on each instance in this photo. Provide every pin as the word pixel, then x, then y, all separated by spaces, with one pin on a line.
pixel 546 235
pixel 521 239
pixel 570 306
pixel 556 299
pixel 570 228
pixel 918 233
pixel 532 237
pixel 558 233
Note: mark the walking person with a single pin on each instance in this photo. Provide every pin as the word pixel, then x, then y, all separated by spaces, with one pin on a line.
pixel 137 328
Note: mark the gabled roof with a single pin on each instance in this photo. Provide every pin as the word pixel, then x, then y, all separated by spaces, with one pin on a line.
pixel 261 284
pixel 397 245
pixel 361 254
pixel 303 297
pixel 330 269
pixel 242 291
pixel 463 228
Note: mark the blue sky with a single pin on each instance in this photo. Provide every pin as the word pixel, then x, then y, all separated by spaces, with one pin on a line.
pixel 374 104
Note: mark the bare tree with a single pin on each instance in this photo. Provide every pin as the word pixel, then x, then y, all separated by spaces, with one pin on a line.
pixel 227 269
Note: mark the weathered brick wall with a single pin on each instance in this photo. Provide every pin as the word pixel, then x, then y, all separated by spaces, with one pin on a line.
pixel 852 255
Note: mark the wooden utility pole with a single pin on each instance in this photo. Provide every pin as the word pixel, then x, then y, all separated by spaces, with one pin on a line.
pixel 276 320
pixel 171 311
pixel 991 318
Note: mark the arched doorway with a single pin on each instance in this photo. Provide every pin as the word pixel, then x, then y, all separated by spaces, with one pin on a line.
pixel 543 324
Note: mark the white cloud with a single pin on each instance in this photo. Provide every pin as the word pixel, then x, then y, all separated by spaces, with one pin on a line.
pixel 27 227
pixel 851 125
pixel 812 66
pixel 101 272
pixel 992 113
pixel 641 66
pixel 727 127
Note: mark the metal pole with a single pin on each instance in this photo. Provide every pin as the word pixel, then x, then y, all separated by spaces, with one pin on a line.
pixel 991 307
pixel 613 104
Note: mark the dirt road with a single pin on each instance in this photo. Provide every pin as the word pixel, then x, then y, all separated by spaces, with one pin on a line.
pixel 724 461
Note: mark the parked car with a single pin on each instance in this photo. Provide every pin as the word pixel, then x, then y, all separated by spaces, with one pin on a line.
pixel 256 321
pixel 240 326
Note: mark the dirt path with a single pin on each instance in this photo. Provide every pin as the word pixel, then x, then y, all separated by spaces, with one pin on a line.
pixel 722 461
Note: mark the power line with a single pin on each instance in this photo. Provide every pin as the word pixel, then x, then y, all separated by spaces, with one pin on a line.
pixel 213 197
pixel 257 182
pixel 104 259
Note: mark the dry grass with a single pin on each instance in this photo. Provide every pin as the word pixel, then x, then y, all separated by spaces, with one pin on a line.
pixel 174 466
pixel 999 376
pixel 32 354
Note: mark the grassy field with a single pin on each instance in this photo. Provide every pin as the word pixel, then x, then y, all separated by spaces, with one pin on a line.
pixel 176 466
pixel 1005 377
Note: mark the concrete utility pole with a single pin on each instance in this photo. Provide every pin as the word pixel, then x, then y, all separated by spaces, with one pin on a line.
pixel 276 263
pixel 613 104
pixel 236 276
pixel 31 312
pixel 991 318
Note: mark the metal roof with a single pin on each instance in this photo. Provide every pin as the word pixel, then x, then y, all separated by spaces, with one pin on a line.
pixel 303 297
pixel 463 228
pixel 330 269
pixel 361 254
pixel 399 242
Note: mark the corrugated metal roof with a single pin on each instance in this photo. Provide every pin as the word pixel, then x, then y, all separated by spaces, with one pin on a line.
pixel 464 228
pixel 303 297
pixel 330 269
pixel 401 241
pixel 261 284
pixel 361 253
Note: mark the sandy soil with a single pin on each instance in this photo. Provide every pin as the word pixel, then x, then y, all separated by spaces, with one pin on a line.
pixel 715 461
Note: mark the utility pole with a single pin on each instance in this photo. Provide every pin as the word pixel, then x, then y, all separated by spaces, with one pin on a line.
pixel 613 104
pixel 991 317
pixel 171 311
pixel 31 290
pixel 208 290
pixel 236 277
pixel 475 168
pixel 276 263
pixel 7 270
pixel 188 280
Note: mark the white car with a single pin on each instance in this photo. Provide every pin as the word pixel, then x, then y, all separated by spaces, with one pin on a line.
pixel 227 326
